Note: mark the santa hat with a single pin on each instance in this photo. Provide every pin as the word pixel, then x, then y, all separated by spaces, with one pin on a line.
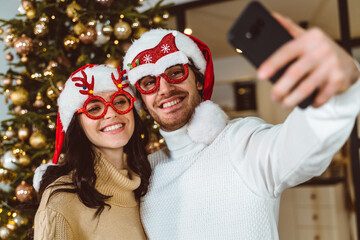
pixel 159 49
pixel 89 79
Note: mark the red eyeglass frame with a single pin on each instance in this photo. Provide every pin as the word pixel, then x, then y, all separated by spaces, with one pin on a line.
pixel 157 84
pixel 107 104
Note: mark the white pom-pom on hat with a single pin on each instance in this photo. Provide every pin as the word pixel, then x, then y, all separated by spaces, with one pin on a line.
pixel 207 122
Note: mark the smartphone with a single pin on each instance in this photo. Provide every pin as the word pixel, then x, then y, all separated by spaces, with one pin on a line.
pixel 257 34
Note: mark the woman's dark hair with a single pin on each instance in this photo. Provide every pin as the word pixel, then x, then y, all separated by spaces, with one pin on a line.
pixel 80 158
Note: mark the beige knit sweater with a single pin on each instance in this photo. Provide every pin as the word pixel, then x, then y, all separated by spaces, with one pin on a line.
pixel 65 217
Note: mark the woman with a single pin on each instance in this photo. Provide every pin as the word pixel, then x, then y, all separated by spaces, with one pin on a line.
pixel 94 194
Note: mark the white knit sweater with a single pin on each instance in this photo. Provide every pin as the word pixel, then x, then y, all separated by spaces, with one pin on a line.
pixel 229 186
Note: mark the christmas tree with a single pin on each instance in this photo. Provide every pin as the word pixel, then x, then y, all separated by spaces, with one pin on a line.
pixel 52 39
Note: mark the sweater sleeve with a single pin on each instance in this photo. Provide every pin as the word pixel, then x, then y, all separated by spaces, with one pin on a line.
pixel 272 158
pixel 51 225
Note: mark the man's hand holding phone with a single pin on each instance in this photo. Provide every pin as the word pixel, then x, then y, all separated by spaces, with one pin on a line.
pixel 320 64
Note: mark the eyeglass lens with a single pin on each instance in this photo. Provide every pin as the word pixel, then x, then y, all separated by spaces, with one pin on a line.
pixel 176 72
pixel 96 107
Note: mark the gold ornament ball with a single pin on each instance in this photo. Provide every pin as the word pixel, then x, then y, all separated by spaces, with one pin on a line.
pixel 23 45
pixel 51 93
pixel 39 102
pixel 19 81
pixel 24 160
pixel 107 30
pixel 139 31
pixel 24 58
pixel 37 140
pixel 9 39
pixel 7 81
pixel 20 96
pixel 1 31
pixel 71 42
pixel 27 4
pixel 157 19
pixel 9 57
pixel 72 9
pixel 41 29
pixel 24 192
pixel 31 14
pixel 79 28
pixel 122 30
pixel 23 133
pixel 89 36
pixel 4 232
pixel 10 133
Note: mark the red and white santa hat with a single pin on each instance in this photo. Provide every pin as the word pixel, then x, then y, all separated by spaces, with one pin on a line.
pixel 158 49
pixel 87 80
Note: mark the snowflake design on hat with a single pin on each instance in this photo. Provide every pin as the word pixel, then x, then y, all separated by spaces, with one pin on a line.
pixel 165 48
pixel 147 58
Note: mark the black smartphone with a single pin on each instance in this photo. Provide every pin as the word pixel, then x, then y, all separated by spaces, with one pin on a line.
pixel 257 34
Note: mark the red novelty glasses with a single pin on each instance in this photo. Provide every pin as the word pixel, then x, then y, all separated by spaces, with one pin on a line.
pixel 95 107
pixel 174 74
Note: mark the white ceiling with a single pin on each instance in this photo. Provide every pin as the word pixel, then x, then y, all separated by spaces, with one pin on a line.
pixel 210 23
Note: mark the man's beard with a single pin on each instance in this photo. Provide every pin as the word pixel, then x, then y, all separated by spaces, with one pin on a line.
pixel 180 119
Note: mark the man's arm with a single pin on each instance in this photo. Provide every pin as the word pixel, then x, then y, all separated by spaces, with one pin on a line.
pixel 273 158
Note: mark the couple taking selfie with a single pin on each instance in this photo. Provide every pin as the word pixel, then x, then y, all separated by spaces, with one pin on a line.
pixel 217 178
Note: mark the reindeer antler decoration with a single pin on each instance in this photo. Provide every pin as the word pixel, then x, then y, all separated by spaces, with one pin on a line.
pixel 122 77
pixel 88 88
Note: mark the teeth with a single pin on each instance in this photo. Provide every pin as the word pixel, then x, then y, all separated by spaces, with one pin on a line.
pixel 172 103
pixel 113 127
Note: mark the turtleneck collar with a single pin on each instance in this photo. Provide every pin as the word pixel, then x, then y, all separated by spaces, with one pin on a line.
pixel 179 142
pixel 119 184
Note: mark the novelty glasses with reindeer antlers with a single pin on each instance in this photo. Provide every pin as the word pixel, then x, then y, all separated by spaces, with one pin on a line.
pixel 95 107
pixel 174 74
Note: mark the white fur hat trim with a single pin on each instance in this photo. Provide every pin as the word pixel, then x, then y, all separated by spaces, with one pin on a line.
pixel 39 172
pixel 152 38
pixel 207 122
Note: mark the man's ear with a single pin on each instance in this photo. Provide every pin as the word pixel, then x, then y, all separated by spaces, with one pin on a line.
pixel 199 86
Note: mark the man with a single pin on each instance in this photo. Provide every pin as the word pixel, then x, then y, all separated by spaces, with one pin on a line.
pixel 220 179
